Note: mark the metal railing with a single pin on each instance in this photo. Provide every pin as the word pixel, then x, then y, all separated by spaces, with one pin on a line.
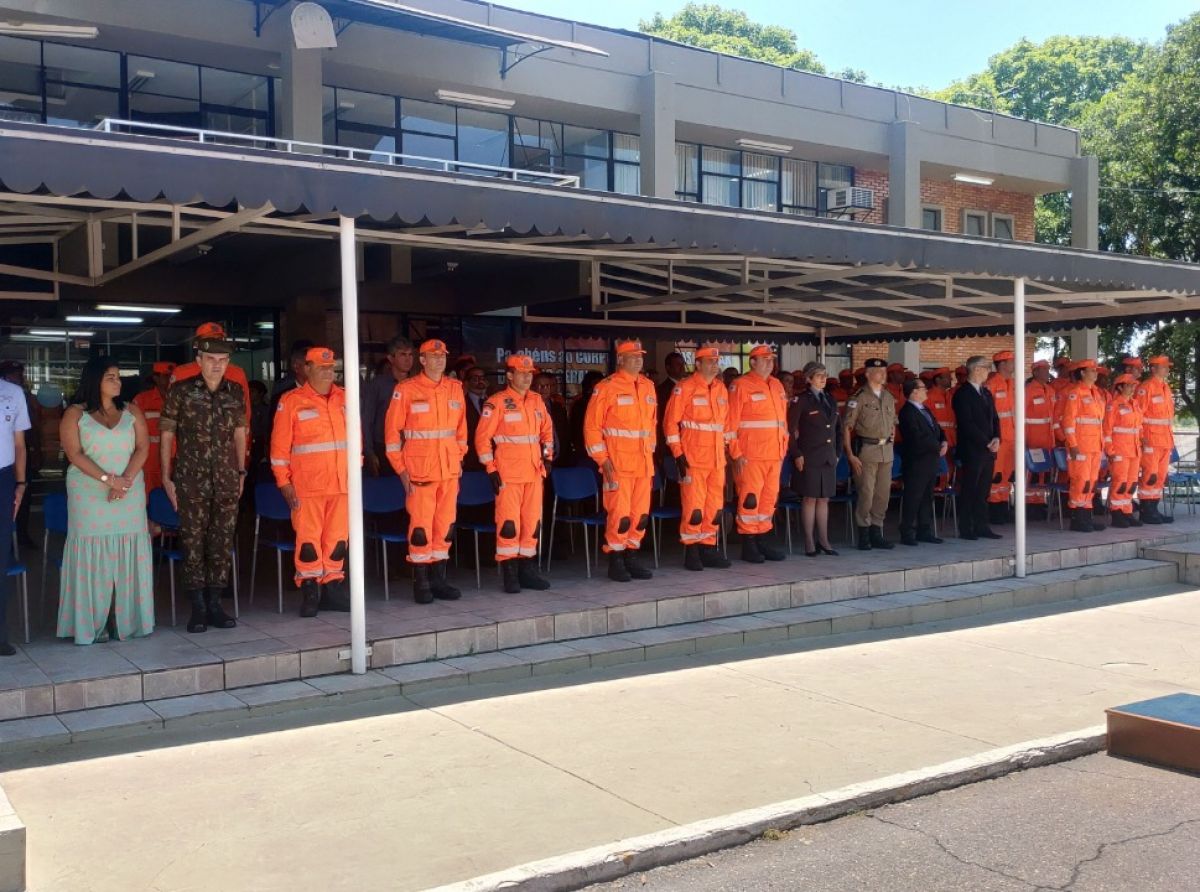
pixel 373 156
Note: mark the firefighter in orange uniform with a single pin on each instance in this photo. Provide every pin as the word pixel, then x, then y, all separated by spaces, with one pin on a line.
pixel 1123 444
pixel 619 435
pixel 1083 431
pixel 938 403
pixel 1132 366
pixel 515 443
pixel 1157 404
pixel 1000 384
pixel 895 384
pixel 425 437
pixel 151 403
pixel 308 459
pixel 1040 402
pixel 841 388
pixel 758 420
pixel 694 428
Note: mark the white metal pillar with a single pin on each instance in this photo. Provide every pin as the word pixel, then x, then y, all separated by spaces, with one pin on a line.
pixel 1019 418
pixel 350 362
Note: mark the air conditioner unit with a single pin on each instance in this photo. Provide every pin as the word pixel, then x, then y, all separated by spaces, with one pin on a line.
pixel 851 200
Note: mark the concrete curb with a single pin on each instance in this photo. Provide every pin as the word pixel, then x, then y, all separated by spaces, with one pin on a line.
pixel 604 863
pixel 12 848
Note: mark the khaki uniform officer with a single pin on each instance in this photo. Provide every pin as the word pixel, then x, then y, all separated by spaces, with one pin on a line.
pixel 867 437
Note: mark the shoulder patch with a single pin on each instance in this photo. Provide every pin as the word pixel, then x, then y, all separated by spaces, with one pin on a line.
pixel 677 390
pixel 396 394
pixel 487 411
pixel 850 404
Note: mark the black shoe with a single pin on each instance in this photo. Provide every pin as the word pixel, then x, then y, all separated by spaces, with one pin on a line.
pixel 930 538
pixel 824 549
pixel 310 595
pixel 864 538
pixel 768 549
pixel 616 567
pixel 877 540
pixel 530 577
pixel 1036 512
pixel 422 591
pixel 437 581
pixel 1149 512
pixel 989 534
pixel 710 556
pixel 1120 521
pixel 7 650
pixel 217 617
pixel 508 574
pixel 691 558
pixel 750 552
pixel 998 513
pixel 633 563
pixel 1081 520
pixel 908 539
pixel 198 622
pixel 335 597
pixel 1133 520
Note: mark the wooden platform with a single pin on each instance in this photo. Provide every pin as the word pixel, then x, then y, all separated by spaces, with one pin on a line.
pixel 1164 731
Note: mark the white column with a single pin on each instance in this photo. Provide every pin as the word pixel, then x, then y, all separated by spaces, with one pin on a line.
pixel 350 361
pixel 1019 418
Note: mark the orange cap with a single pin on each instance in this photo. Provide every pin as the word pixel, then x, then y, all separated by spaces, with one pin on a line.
pixel 1041 364
pixel 1103 370
pixel 433 345
pixel 1083 364
pixel 896 367
pixel 943 370
pixel 844 374
pixel 708 353
pixel 630 348
pixel 1002 356
pixel 1160 360
pixel 1125 378
pixel 163 368
pixel 1061 361
pixel 211 330
pixel 762 350
pixel 1134 362
pixel 319 356
pixel 519 362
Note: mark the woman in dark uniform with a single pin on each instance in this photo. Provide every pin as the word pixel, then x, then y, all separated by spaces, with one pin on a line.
pixel 815 436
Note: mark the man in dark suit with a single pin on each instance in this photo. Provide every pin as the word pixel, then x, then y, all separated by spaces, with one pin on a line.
pixel 978 442
pixel 922 443
pixel 475 383
pixel 546 386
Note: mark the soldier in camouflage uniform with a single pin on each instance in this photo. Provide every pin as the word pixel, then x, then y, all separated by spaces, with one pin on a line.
pixel 204 481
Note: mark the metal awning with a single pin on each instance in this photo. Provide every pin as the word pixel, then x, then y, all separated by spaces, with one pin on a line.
pixel 654 263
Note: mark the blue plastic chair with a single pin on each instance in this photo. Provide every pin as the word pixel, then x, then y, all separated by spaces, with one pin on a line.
pixel 54 518
pixel 843 478
pixel 270 503
pixel 789 503
pixel 1181 483
pixel 384 496
pixel 576 485
pixel 1045 462
pixel 661 512
pixel 161 512
pixel 474 489
pixel 16 567
pixel 947 493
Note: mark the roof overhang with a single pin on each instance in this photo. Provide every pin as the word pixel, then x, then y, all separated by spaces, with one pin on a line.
pixel 654 263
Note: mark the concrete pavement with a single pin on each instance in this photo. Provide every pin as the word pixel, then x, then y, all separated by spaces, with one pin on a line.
pixel 451 788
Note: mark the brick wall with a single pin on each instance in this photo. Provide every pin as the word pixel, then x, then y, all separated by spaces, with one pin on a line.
pixel 951 352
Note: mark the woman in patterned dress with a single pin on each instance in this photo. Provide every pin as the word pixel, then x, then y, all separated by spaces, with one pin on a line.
pixel 106 583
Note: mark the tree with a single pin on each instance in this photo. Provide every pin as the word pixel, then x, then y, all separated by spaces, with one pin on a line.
pixel 732 32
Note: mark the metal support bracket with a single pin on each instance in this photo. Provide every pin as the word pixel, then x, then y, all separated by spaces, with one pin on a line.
pixel 259 18
pixel 506 66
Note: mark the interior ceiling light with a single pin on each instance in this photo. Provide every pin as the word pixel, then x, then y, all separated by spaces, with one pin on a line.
pixel 107 320
pixel 132 308
pixel 760 146
pixel 453 96
pixel 61 333
pixel 46 29
pixel 974 179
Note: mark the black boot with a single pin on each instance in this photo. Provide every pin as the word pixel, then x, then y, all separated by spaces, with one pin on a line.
pixel 908 538
pixel 750 552
pixel 199 618
pixel 437 581
pixel 217 617
pixel 768 549
pixel 1081 520
pixel 616 567
pixel 691 558
pixel 710 556
pixel 335 597
pixel 530 576
pixel 634 565
pixel 1035 512
pixel 422 592
pixel 877 540
pixel 310 595
pixel 508 575
pixel 998 513
pixel 1120 521
pixel 864 538
pixel 1149 512
pixel 1133 520
pixel 928 536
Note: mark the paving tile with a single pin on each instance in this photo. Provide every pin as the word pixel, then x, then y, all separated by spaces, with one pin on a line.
pixel 769 597
pixel 812 591
pixel 885 583
pixel 28 702
pixel 729 603
pixel 628 617
pixel 261 670
pixel 408 649
pixel 20 734
pixel 253 648
pixel 21 672
pixel 349 687
pixel 684 609
pixel 97 692
pixel 471 640
pixel 551 659
pixel 322 662
pixel 197 709
pixel 581 624
pixel 183 682
pixel 279 697
pixel 167 652
pixel 418 677
pixel 65 662
pixel 111 721
pixel 523 632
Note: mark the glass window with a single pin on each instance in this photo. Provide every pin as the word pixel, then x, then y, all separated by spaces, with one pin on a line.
pixel 721 191
pixel 371 142
pixel 1002 227
pixel 482 137
pixel 20 80
pixel 70 106
pixel 427 117
pixel 422 146
pixel 370 109
pixel 234 89
pixel 592 172
pixel 627 178
pixel 584 141
pixel 83 66
pixel 799 184
pixel 974 223
pixel 168 110
pixel 163 78
pixel 721 161
pixel 931 218
pixel 836 176
pixel 687 171
pixel 537 145
pixel 627 147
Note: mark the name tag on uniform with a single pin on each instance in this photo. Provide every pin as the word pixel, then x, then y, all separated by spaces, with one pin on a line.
pixel 624 401
pixel 757 397
pixel 1087 400
pixel 455 404
pixel 512 416
pixel 308 414
pixel 814 412
pixel 1156 399
pixel 1124 411
pixel 699 401
pixel 1037 400
pixel 420 408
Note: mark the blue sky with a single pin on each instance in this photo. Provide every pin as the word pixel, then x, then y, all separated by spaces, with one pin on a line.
pixel 908 42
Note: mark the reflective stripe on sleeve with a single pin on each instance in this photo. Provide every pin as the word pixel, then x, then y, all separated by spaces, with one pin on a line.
pixel 758 425
pixel 516 438
pixel 702 426
pixel 428 435
pixel 486 457
pixel 280 463
pixel 327 446
pixel 672 438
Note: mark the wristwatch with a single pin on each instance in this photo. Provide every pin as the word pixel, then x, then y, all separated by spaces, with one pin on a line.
pixel 104 478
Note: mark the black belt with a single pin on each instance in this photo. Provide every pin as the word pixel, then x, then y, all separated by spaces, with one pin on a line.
pixel 871 441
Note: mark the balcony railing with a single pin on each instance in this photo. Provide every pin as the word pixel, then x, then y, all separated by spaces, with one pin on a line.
pixel 299 147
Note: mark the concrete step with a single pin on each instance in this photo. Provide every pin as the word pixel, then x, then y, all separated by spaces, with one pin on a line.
pixel 1142 576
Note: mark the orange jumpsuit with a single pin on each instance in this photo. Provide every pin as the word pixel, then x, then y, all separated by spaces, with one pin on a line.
pixel 233 373
pixel 839 395
pixel 1156 402
pixel 938 403
pixel 308 450
pixel 1002 394
pixel 425 435
pixel 1040 403
pixel 758 419
pixel 1060 386
pixel 523 437
pixel 620 427
pixel 694 427
pixel 151 403
pixel 1082 426
pixel 1122 442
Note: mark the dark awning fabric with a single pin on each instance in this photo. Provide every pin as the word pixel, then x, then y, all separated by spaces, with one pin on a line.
pixel 72 162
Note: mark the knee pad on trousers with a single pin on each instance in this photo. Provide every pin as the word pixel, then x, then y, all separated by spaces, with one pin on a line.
pixel 308 553
pixel 750 502
pixel 1153 480
pixel 1121 490
pixel 508 530
pixel 623 526
pixel 450 534
pixel 1087 487
pixel 643 522
pixel 697 517
pixel 996 478
pixel 339 551
pixel 716 518
pixel 419 538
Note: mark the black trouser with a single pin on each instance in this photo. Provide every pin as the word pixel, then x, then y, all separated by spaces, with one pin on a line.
pixel 916 513
pixel 974 485
pixel 8 487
